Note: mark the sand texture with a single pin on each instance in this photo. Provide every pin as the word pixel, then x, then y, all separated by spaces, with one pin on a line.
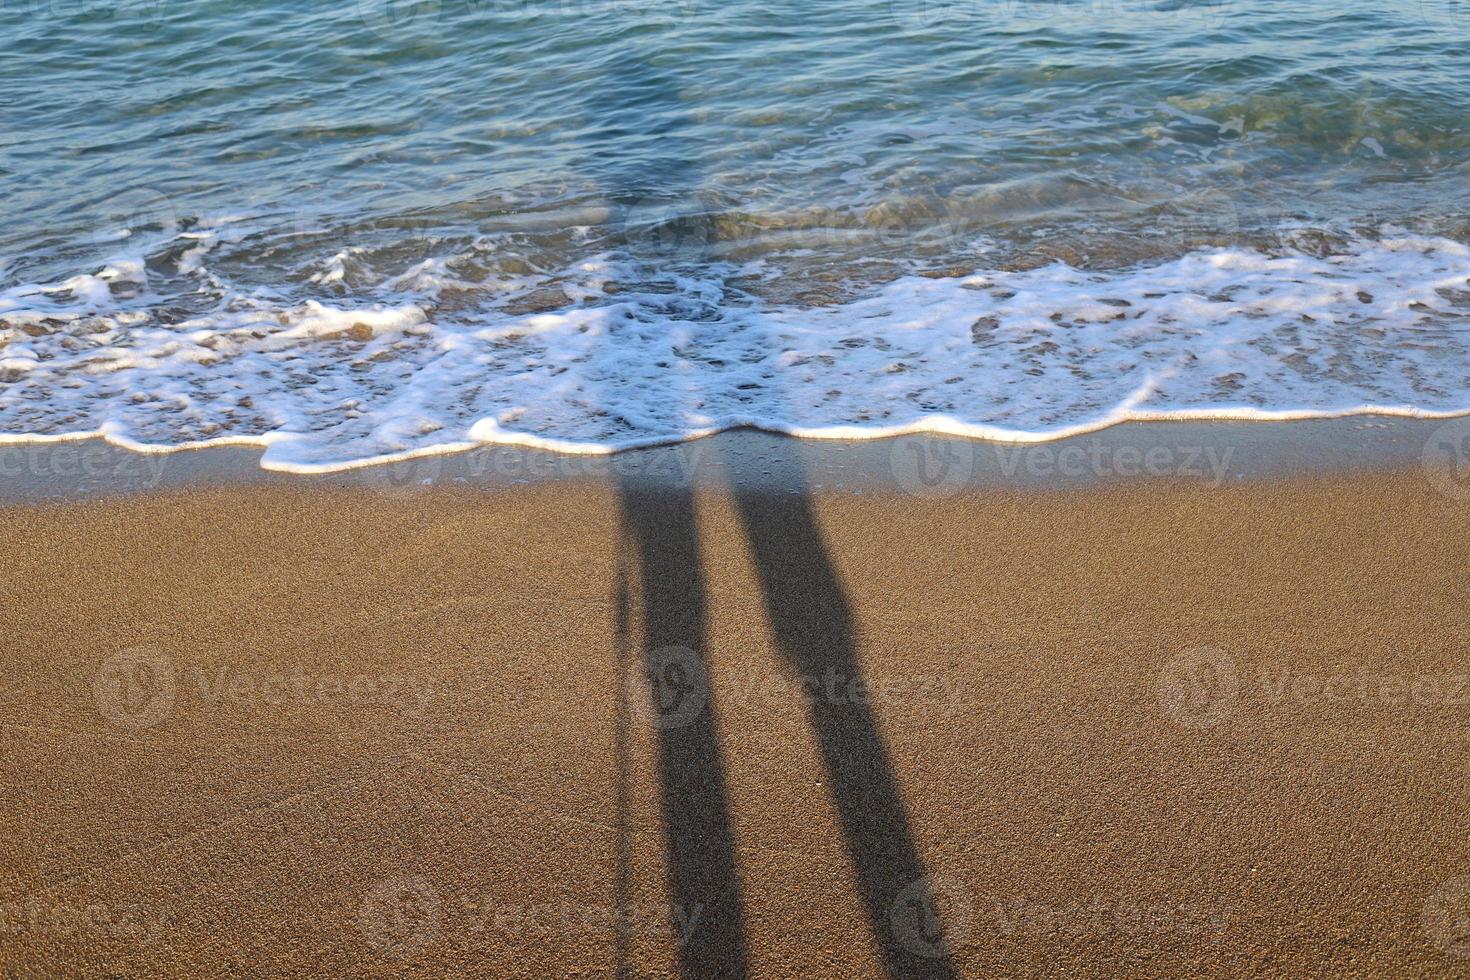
pixel 569 730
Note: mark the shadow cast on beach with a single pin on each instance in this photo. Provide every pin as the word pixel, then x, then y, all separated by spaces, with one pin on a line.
pixel 703 885
pixel 809 617
pixel 811 626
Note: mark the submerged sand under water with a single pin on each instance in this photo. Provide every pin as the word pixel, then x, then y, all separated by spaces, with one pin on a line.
pixel 1205 454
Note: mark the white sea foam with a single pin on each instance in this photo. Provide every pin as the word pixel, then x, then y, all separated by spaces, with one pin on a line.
pixel 628 359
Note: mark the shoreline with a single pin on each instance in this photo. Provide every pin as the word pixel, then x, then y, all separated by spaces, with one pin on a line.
pixel 1154 727
pixel 924 465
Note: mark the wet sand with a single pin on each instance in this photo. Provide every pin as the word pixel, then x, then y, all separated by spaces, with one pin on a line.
pixel 1151 729
pixel 1206 452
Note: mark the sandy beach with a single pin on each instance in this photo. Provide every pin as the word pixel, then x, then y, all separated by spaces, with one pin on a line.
pixel 870 489
pixel 1144 730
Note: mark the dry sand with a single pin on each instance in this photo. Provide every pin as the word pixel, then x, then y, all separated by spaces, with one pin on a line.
pixel 1146 731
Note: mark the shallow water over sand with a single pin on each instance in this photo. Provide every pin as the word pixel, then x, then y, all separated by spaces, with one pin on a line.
pixel 387 229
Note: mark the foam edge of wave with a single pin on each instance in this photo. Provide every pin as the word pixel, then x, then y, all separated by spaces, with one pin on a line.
pixel 490 435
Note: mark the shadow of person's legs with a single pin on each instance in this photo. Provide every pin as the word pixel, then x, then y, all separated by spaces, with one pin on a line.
pixel 813 630
pixel 640 153
pixel 808 613
pixel 660 536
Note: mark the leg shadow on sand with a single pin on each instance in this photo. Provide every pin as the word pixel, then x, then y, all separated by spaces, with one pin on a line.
pixel 813 630
pixel 658 532
pixel 812 627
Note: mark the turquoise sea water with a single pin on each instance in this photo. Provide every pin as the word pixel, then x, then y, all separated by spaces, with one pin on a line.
pixel 376 228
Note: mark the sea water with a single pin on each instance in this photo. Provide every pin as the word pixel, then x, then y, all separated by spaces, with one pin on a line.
pixel 364 230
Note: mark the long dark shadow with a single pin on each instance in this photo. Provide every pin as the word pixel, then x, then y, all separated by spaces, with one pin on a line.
pixel 807 609
pixel 640 151
pixel 813 630
pixel 704 889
